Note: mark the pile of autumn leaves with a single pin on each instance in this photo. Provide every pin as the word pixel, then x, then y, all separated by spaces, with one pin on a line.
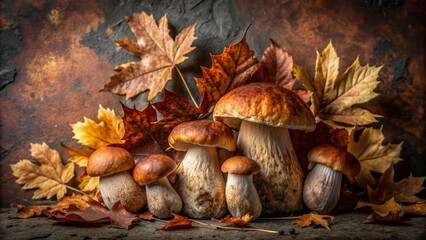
pixel 333 99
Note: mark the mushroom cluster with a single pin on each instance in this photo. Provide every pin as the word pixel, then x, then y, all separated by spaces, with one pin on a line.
pixel 321 190
pixel 263 113
pixel 112 164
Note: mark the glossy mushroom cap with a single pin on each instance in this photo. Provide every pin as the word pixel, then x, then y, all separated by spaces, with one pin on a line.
pixel 206 133
pixel 337 159
pixel 264 103
pixel 109 160
pixel 240 165
pixel 153 168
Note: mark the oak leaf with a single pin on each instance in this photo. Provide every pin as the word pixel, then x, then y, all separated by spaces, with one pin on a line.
pixel 109 130
pixel 390 211
pixel 49 177
pixel 308 219
pixel 417 208
pixel 159 54
pixel 372 154
pixel 178 222
pixel 238 222
pixel 334 96
pixel 403 191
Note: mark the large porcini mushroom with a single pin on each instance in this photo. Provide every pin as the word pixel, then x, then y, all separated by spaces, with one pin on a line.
pixel 162 198
pixel 199 181
pixel 111 164
pixel 263 113
pixel 241 195
pixel 321 191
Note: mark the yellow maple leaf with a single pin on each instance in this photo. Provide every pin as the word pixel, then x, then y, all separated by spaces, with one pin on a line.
pixel 89 184
pixel 109 130
pixel 50 177
pixel 372 154
pixel 308 219
pixel 158 52
pixel 78 156
pixel 334 96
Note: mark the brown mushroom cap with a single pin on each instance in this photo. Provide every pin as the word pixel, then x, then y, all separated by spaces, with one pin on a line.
pixel 337 159
pixel 206 133
pixel 264 103
pixel 109 160
pixel 152 168
pixel 240 165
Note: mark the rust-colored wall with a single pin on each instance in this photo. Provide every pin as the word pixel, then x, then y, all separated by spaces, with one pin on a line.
pixel 63 52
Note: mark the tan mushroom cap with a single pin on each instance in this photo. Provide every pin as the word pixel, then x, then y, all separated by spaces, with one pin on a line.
pixel 337 159
pixel 240 165
pixel 153 168
pixel 206 133
pixel 109 160
pixel 264 103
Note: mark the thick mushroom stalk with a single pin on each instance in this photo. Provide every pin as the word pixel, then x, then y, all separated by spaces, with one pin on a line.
pixel 321 190
pixel 163 200
pixel 200 184
pixel 280 181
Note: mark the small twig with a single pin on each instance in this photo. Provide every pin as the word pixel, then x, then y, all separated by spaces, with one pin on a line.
pixel 235 228
pixel 186 86
pixel 278 218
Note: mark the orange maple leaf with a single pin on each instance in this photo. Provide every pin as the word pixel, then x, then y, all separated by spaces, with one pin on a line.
pixel 178 222
pixel 238 222
pixel 313 218
pixel 159 54
pixel 389 211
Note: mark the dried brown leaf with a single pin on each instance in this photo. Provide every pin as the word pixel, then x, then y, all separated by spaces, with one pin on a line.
pixel 309 219
pixel 237 222
pixel 178 222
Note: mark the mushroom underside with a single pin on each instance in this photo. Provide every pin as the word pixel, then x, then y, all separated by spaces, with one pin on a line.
pixel 280 181
pixel 163 200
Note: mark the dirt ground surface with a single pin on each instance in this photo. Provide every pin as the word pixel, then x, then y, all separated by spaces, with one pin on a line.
pixel 344 226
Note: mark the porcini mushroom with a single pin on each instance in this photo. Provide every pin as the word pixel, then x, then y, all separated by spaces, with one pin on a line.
pixel 241 195
pixel 263 113
pixel 111 164
pixel 321 190
pixel 199 181
pixel 162 198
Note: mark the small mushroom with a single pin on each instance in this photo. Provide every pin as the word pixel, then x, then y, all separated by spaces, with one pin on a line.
pixel 162 198
pixel 241 195
pixel 321 190
pixel 111 164
pixel 199 181
pixel 263 113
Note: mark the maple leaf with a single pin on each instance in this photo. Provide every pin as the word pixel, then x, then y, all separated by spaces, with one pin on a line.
pixel 390 211
pixel 238 222
pixel 50 177
pixel 334 96
pixel 403 191
pixel 231 69
pixel 178 222
pixel 88 184
pixel 417 208
pixel 78 156
pixel 158 52
pixel 109 130
pixel 372 155
pixel 313 218
pixel 147 216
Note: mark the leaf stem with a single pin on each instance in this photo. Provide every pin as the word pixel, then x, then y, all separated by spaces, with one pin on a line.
pixel 186 86
pixel 76 190
pixel 278 218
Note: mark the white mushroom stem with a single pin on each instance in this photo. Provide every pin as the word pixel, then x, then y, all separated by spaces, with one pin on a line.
pixel 162 198
pixel 280 181
pixel 200 184
pixel 242 197
pixel 121 187
pixel 321 191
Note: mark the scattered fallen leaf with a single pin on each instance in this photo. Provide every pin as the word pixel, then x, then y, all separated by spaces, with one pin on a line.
pixel 417 208
pixel 159 54
pixel 334 96
pixel 178 222
pixel 109 130
pixel 147 216
pixel 403 191
pixel 49 178
pixel 372 154
pixel 238 222
pixel 308 219
pixel 390 211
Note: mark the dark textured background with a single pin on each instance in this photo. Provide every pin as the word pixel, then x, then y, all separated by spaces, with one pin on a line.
pixel 57 55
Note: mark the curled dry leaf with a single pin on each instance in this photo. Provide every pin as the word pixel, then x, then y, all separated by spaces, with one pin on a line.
pixel 372 154
pixel 159 54
pixel 178 222
pixel 309 219
pixel 416 209
pixel 237 222
pixel 390 211
pixel 49 177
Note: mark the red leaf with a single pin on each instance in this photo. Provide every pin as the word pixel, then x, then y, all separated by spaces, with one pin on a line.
pixel 148 216
pixel 178 222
